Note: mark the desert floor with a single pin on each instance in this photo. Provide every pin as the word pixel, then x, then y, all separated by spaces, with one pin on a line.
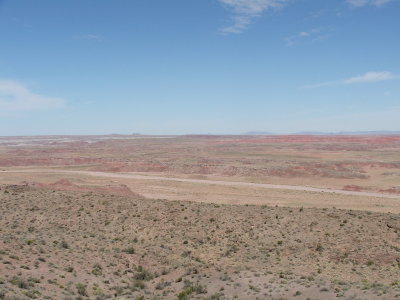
pixel 200 217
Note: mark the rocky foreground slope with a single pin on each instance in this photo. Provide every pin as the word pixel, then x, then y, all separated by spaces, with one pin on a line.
pixel 88 245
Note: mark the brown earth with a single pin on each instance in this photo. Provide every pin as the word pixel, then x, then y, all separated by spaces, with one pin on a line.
pixel 201 217
pixel 89 245
pixel 67 185
pixel 319 161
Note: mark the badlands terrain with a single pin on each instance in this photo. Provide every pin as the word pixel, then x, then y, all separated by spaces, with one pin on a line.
pixel 200 217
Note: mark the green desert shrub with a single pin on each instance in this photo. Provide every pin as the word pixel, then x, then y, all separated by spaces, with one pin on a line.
pixel 20 282
pixel 190 289
pixel 143 274
pixel 81 289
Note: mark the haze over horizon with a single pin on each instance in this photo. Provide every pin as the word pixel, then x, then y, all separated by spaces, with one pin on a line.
pixel 198 67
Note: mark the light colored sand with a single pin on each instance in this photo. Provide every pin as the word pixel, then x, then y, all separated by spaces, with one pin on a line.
pixel 202 181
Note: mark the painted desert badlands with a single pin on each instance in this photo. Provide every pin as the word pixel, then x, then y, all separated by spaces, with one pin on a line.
pixel 200 217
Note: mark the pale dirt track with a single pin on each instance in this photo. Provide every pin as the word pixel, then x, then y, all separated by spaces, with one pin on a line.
pixel 202 181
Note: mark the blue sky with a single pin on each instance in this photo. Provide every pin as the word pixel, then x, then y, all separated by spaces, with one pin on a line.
pixel 198 66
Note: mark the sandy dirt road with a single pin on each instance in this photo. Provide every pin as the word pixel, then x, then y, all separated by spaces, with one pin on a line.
pixel 203 181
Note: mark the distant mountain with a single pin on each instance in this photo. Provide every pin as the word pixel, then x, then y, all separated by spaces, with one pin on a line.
pixel 258 133
pixel 377 132
pixel 312 133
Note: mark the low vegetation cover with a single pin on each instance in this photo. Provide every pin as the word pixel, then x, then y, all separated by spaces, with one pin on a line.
pixel 87 245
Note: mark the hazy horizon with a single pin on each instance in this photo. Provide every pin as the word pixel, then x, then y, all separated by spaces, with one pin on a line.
pixel 250 133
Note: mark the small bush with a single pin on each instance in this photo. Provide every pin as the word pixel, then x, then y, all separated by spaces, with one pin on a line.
pixel 33 294
pixel 69 269
pixel 189 289
pixel 97 270
pixel 319 248
pixel 19 282
pixel 81 289
pixel 64 244
pixel 129 250
pixel 143 274
pixel 137 284
pixel 162 285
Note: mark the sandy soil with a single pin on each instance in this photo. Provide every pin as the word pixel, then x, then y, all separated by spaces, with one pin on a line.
pixel 363 163
pixel 211 182
pixel 201 190
pixel 89 245
pixel 200 217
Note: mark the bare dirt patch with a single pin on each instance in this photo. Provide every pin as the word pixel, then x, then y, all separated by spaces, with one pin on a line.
pixel 67 185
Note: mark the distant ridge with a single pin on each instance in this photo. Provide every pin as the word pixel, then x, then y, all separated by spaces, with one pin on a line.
pixel 258 133
pixel 378 132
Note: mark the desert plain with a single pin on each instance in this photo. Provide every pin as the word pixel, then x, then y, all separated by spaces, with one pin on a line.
pixel 200 217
